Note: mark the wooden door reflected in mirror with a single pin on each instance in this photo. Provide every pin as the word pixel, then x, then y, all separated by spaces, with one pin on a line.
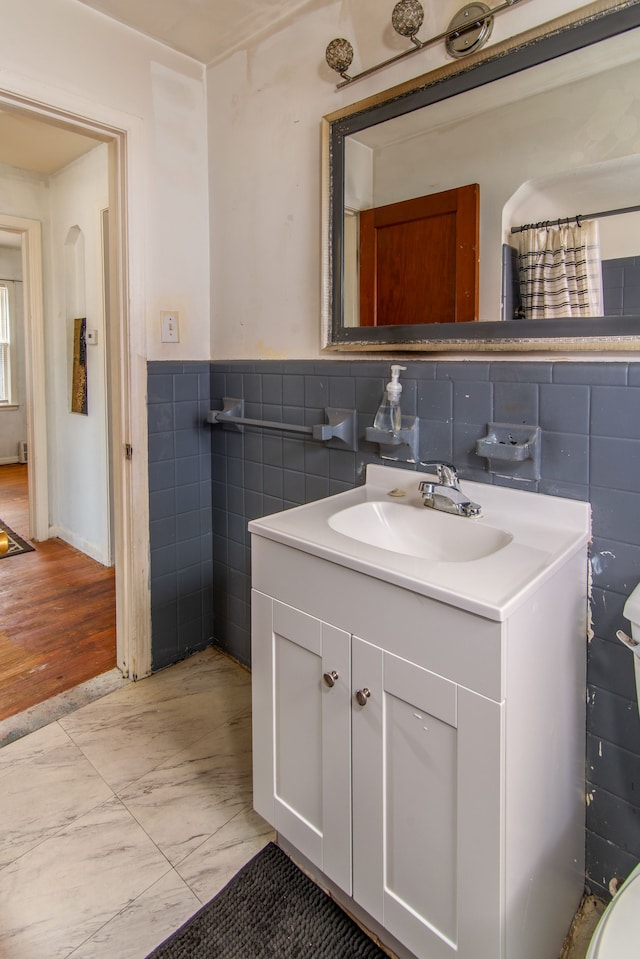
pixel 419 260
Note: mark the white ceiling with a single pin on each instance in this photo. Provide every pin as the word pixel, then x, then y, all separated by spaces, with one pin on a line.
pixel 38 146
pixel 204 29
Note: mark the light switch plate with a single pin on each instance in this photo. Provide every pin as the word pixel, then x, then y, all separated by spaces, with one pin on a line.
pixel 170 324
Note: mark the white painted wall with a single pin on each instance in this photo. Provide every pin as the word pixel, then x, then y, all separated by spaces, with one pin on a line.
pixel 265 105
pixel 620 235
pixel 263 112
pixel 62 52
pixel 13 422
pixel 77 444
pixel 79 63
pixel 358 177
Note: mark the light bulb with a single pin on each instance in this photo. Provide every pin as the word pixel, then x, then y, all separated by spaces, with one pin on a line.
pixel 339 55
pixel 407 17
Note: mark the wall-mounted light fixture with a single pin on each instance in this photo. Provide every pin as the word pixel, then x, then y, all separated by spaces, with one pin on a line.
pixel 468 31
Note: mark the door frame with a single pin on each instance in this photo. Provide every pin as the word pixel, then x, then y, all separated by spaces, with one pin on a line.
pixel 127 351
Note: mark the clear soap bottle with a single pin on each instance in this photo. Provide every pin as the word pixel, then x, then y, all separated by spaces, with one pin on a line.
pixel 389 415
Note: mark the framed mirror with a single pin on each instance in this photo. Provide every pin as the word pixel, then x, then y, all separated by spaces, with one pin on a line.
pixel 546 128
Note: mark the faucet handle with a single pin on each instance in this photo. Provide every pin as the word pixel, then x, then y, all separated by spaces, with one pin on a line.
pixel 446 473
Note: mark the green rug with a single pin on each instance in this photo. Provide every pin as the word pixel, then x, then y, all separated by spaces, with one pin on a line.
pixel 11 544
pixel 270 910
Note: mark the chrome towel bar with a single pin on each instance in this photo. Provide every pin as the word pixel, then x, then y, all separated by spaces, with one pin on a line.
pixel 339 431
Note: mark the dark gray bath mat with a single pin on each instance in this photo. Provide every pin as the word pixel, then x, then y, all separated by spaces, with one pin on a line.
pixel 270 910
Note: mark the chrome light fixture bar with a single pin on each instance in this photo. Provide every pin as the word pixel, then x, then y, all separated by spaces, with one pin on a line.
pixel 468 31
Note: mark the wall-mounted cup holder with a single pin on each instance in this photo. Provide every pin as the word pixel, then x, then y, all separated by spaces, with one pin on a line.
pixel 512 450
pixel 399 445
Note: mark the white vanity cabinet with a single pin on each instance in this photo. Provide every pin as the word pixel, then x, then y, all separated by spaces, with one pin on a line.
pixel 425 821
pixel 424 758
pixel 401 780
pixel 450 814
pixel 302 767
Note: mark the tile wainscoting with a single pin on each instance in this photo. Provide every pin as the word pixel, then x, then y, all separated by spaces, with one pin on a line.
pixel 206 483
pixel 178 397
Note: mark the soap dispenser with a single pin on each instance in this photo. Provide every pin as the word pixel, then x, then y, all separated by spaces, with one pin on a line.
pixel 389 415
pixel 395 433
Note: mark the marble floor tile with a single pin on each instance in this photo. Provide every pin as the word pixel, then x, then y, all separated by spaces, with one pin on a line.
pixel 45 791
pixel 199 672
pixel 184 801
pixel 30 747
pixel 62 892
pixel 86 874
pixel 143 925
pixel 132 731
pixel 218 859
pixel 97 806
pixel 43 714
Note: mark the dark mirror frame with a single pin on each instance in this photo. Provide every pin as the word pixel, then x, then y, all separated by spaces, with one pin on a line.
pixel 590 24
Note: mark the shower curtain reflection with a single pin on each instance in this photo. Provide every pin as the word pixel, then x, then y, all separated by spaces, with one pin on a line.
pixel 560 270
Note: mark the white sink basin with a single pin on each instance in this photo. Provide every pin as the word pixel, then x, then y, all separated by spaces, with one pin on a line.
pixel 418 531
pixel 487 564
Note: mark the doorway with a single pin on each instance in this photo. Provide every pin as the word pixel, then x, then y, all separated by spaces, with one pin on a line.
pixel 128 516
pixel 58 627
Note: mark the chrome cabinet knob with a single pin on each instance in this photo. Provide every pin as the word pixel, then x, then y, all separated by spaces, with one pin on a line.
pixel 362 696
pixel 330 678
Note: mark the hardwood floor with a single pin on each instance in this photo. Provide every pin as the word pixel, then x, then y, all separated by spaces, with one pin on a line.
pixel 57 611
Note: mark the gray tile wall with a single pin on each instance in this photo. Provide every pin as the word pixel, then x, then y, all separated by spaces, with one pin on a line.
pixel 621 286
pixel 179 510
pixel 589 414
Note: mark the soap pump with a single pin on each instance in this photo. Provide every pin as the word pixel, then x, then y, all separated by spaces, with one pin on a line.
pixel 389 415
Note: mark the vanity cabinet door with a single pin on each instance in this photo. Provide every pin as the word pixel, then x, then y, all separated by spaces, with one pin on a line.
pixel 426 808
pixel 302 732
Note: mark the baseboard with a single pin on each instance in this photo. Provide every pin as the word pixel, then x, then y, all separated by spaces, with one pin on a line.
pixel 8 460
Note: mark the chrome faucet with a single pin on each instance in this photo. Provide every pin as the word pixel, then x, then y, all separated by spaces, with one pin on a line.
pixel 445 494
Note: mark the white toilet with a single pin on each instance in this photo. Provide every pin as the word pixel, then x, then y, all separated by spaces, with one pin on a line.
pixel 617 935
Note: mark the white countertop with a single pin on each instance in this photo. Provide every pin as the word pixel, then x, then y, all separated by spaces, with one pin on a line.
pixel 546 531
